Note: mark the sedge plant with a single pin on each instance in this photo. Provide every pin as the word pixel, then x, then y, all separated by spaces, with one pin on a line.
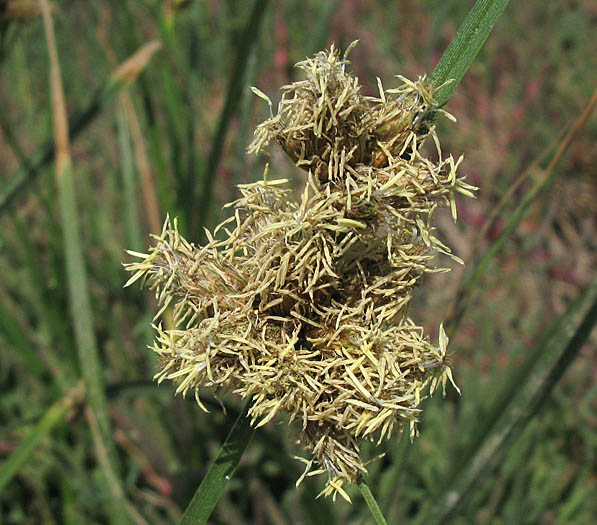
pixel 302 306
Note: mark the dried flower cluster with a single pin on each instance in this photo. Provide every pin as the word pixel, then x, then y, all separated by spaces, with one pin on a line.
pixel 303 305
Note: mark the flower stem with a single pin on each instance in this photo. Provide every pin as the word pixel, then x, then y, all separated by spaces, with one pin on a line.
pixel 371 503
pixel 209 492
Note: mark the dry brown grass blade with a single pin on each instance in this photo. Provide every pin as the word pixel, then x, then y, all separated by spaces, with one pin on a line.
pixel 469 282
pixel 580 122
pixel 60 120
pixel 160 483
pixel 132 67
pixel 126 72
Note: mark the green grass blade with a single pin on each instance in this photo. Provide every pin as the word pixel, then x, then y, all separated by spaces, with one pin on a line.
pixel 371 503
pixel 129 181
pixel 51 418
pixel 82 317
pixel 215 481
pixel 470 284
pixel 78 286
pixel 463 49
pixel 536 365
pixel 529 394
pixel 233 97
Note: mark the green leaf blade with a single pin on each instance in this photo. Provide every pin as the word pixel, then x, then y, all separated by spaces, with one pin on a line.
pixel 461 52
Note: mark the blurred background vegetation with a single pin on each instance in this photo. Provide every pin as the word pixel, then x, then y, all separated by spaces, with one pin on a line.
pixel 519 446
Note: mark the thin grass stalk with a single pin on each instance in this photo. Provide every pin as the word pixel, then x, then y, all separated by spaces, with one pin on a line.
pixel 507 197
pixel 114 485
pixel 54 415
pixel 233 97
pixel 537 392
pixel 122 76
pixel 210 491
pixel 153 96
pixel 463 49
pixel 176 95
pixel 131 146
pixel 131 217
pixel 90 362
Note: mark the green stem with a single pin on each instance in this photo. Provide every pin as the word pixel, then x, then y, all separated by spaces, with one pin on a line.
pixel 371 503
pixel 210 491
pixel 81 314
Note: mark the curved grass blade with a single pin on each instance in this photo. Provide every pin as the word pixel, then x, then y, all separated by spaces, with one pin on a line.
pixel 125 148
pixel 75 266
pixel 461 52
pixel 209 492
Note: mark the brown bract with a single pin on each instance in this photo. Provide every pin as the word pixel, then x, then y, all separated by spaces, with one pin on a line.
pixel 304 305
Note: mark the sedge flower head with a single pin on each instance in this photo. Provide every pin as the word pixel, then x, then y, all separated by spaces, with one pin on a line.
pixel 302 304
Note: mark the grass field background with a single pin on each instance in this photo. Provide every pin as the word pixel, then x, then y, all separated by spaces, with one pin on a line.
pixel 519 445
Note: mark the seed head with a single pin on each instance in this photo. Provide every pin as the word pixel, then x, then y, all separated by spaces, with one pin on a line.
pixel 303 305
